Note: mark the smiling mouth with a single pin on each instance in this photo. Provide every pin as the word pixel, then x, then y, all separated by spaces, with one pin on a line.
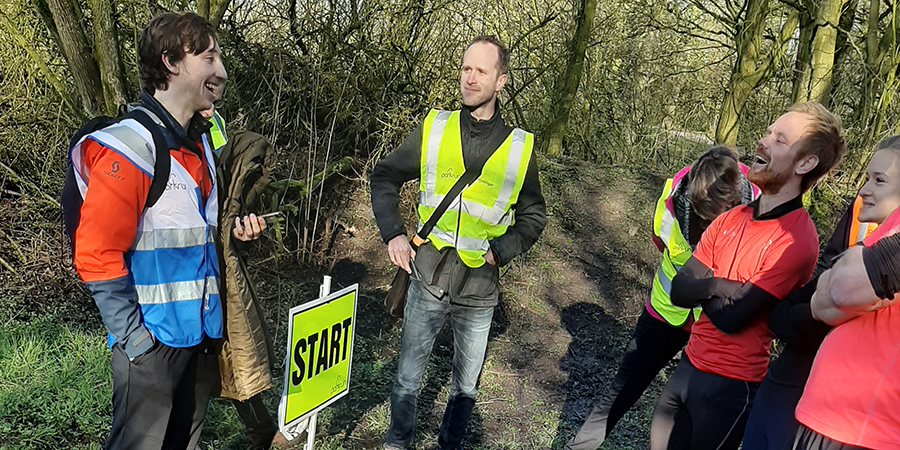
pixel 210 87
pixel 760 160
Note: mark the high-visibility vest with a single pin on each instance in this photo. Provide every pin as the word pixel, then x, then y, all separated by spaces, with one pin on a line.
pixel 217 132
pixel 173 260
pixel 484 209
pixel 675 253
pixel 859 230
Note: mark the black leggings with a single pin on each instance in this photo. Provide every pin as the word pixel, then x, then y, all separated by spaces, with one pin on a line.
pixel 772 421
pixel 653 344
pixel 699 410
pixel 261 428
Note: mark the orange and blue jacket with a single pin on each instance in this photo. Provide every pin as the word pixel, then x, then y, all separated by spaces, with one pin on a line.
pixel 153 272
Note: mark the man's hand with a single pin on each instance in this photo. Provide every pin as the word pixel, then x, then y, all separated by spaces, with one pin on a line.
pixel 401 252
pixel 249 228
pixel 490 257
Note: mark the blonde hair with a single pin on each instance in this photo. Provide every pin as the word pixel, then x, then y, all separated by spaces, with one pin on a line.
pixel 824 138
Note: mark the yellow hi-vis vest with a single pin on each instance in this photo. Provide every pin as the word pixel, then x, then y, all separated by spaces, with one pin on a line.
pixel 859 230
pixel 217 132
pixel 675 254
pixel 484 209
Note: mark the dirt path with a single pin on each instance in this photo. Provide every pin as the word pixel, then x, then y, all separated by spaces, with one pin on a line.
pixel 566 313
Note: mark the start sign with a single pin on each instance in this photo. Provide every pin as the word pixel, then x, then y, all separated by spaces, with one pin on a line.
pixel 320 351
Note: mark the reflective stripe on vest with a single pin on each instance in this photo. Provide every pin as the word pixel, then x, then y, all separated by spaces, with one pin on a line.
pixel 173 260
pixel 676 252
pixel 484 209
pixel 859 230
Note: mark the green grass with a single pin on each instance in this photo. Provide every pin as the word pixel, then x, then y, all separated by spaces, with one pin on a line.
pixel 54 387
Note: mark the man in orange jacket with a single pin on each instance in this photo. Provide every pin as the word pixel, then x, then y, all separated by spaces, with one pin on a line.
pixel 153 269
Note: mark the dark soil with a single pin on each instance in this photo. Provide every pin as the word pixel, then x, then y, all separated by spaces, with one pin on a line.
pixel 566 313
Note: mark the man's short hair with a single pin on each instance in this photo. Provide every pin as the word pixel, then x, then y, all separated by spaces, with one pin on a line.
pixel 824 138
pixel 715 182
pixel 173 35
pixel 502 52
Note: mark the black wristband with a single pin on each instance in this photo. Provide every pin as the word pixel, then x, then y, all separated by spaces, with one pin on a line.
pixel 882 262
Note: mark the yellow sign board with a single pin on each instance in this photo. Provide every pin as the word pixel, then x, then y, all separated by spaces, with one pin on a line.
pixel 320 351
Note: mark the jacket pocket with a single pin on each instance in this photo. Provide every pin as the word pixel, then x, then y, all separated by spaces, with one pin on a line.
pixel 482 283
pixel 427 261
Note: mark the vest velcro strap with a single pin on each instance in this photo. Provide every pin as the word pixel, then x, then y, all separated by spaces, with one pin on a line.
pixel 131 140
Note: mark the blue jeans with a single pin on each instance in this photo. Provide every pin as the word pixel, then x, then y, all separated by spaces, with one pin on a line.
pixel 423 319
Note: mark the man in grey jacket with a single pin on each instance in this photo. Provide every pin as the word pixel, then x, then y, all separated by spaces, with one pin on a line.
pixel 455 272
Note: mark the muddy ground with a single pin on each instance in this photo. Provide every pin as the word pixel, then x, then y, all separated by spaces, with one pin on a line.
pixel 566 312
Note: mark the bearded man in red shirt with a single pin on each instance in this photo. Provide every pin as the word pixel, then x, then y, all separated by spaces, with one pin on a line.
pixel 749 259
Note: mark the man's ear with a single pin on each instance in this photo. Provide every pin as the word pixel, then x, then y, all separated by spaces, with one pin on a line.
pixel 501 82
pixel 806 164
pixel 173 69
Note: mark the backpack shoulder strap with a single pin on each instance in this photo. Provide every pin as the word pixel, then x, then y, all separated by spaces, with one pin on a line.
pixel 162 164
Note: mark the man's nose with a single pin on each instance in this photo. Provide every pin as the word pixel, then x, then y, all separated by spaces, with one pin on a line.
pixel 221 73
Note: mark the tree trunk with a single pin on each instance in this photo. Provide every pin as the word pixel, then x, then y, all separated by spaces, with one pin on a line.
pixel 842 47
pixel 746 74
pixel 803 65
pixel 750 69
pixel 823 46
pixel 43 10
pixel 203 8
pixel 863 110
pixel 879 83
pixel 106 53
pixel 217 12
pixel 77 51
pixel 570 79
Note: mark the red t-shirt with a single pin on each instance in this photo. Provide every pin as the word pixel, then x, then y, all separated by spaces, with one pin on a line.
pixel 777 255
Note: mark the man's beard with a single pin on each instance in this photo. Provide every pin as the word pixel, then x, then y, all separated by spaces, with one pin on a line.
pixel 767 181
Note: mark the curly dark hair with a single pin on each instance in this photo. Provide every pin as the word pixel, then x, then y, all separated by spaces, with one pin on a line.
pixel 173 35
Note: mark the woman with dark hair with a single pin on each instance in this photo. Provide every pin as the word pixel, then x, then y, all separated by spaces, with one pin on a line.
pixel 689 202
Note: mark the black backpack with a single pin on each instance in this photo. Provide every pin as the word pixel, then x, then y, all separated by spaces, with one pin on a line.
pixel 71 199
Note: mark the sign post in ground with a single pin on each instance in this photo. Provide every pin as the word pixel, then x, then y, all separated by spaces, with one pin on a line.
pixel 319 357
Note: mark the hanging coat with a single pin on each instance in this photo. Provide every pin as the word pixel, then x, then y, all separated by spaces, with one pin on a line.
pixel 246 358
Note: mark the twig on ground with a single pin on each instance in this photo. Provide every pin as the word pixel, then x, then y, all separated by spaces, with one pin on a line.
pixel 502 373
pixel 8 267
pixel 16 176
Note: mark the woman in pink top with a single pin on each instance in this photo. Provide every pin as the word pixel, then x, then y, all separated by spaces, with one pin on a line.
pixel 852 398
